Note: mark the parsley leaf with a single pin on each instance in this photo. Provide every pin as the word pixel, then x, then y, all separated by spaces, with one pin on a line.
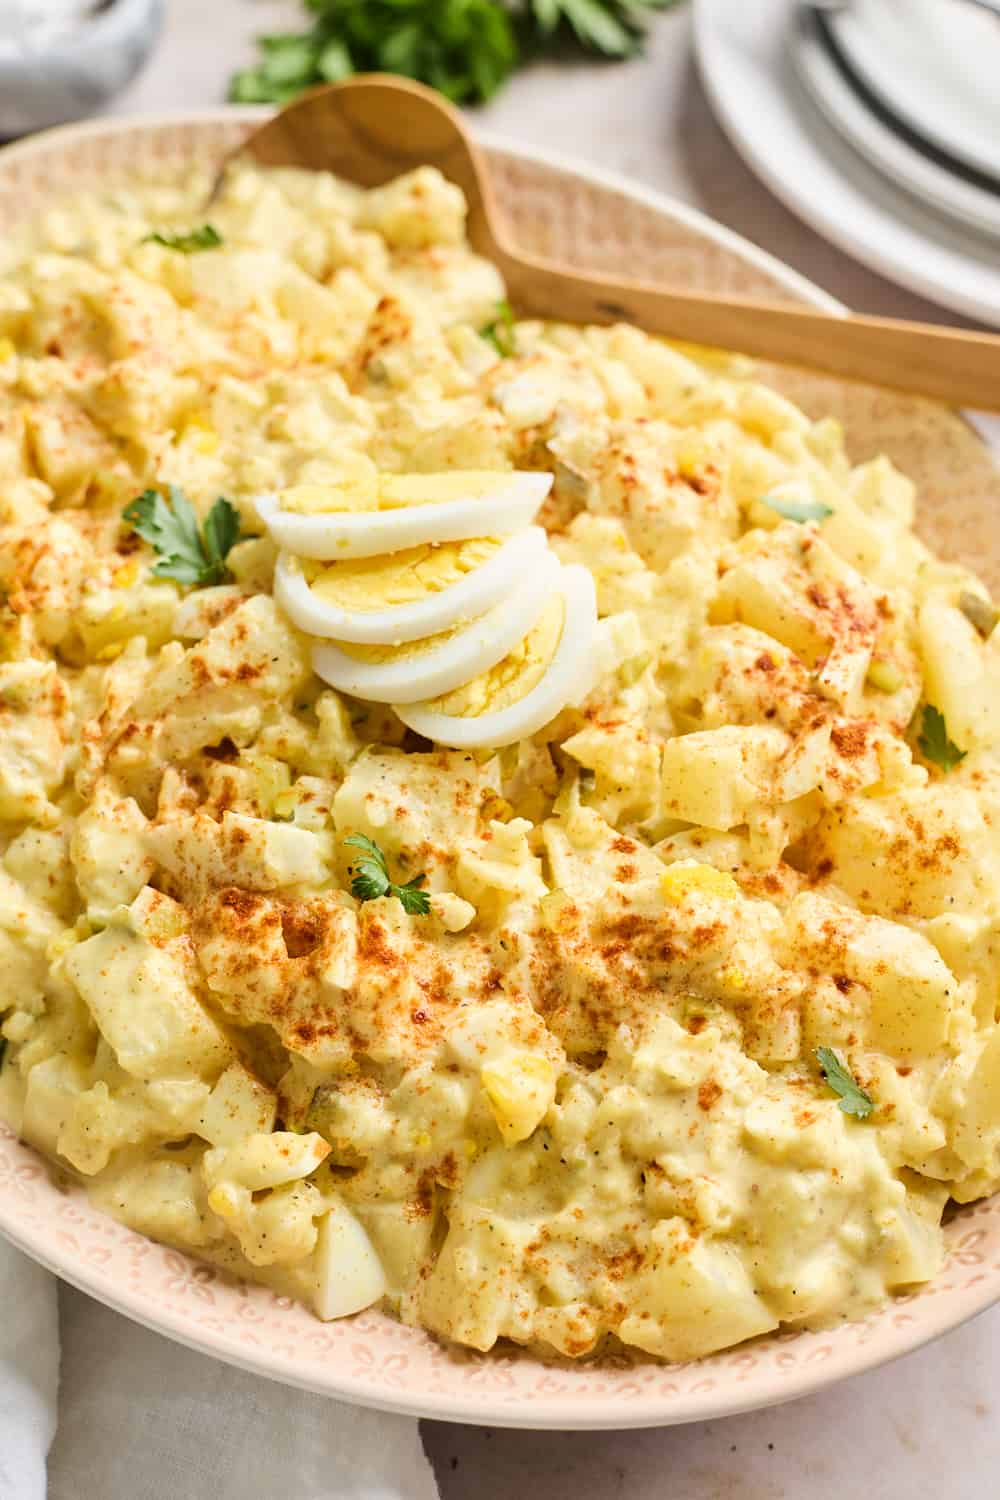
pixel 797 510
pixel 207 237
pixel 465 48
pixel 370 879
pixel 188 554
pixel 500 332
pixel 933 742
pixel 854 1100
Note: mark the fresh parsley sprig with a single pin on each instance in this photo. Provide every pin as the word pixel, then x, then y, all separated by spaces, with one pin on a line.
pixel 933 742
pixel 465 48
pixel 370 879
pixel 797 510
pixel 500 331
pixel 854 1100
pixel 205 237
pixel 186 552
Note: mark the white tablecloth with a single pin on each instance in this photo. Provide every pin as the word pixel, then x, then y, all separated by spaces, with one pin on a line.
pixel 145 1419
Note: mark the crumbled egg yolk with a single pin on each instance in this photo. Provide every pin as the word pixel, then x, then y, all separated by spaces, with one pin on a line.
pixel 680 881
pixel 227 1201
pixel 199 432
pixel 520 1089
pixel 127 575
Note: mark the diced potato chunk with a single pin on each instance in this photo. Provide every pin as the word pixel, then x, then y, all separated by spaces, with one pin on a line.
pixel 691 1297
pixel 145 1007
pixel 714 777
pixel 53 1087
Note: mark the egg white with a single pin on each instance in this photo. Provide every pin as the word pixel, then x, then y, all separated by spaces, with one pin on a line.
pixel 334 535
pixel 454 661
pixel 349 1274
pixel 467 599
pixel 567 679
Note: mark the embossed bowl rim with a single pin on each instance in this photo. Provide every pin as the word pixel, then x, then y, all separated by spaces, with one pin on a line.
pixel 372 1360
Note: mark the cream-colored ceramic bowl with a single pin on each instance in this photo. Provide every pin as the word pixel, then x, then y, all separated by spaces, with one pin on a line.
pixel 370 1359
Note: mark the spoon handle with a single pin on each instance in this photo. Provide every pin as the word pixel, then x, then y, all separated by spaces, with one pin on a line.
pixel 949 364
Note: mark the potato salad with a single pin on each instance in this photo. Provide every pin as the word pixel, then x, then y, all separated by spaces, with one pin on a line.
pixel 498 820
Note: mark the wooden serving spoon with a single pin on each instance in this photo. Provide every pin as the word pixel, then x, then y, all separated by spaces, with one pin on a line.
pixel 371 128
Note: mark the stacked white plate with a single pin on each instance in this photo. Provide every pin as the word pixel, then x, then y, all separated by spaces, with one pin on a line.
pixel 878 122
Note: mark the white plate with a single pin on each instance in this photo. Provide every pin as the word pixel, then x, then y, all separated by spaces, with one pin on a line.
pixel 895 154
pixel 742 54
pixel 936 65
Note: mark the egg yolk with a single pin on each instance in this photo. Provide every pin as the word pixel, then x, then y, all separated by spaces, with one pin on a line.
pixel 363 489
pixel 365 584
pixel 404 651
pixel 514 677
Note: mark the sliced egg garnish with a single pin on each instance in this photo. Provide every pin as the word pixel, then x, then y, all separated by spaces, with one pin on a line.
pixel 428 668
pixel 392 512
pixel 421 591
pixel 554 665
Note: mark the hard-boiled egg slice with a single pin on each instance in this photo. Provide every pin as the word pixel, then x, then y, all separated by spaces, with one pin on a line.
pixel 439 663
pixel 382 601
pixel 398 511
pixel 553 666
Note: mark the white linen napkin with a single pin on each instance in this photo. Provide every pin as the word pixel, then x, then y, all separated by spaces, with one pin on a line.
pixel 29 1374
pixel 141 1418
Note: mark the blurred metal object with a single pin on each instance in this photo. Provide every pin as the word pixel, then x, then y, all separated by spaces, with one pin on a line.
pixel 79 68
pixel 993 6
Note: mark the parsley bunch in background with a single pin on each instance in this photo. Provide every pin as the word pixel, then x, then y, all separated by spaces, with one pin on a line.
pixel 465 48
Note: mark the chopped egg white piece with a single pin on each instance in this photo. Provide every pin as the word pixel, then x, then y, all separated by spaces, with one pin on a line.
pixel 398 511
pixel 349 1274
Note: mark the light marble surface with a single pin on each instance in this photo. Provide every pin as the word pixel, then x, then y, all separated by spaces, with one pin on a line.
pixel 926 1425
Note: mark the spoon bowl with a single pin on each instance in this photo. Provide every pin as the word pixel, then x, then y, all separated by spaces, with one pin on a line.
pixel 374 127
